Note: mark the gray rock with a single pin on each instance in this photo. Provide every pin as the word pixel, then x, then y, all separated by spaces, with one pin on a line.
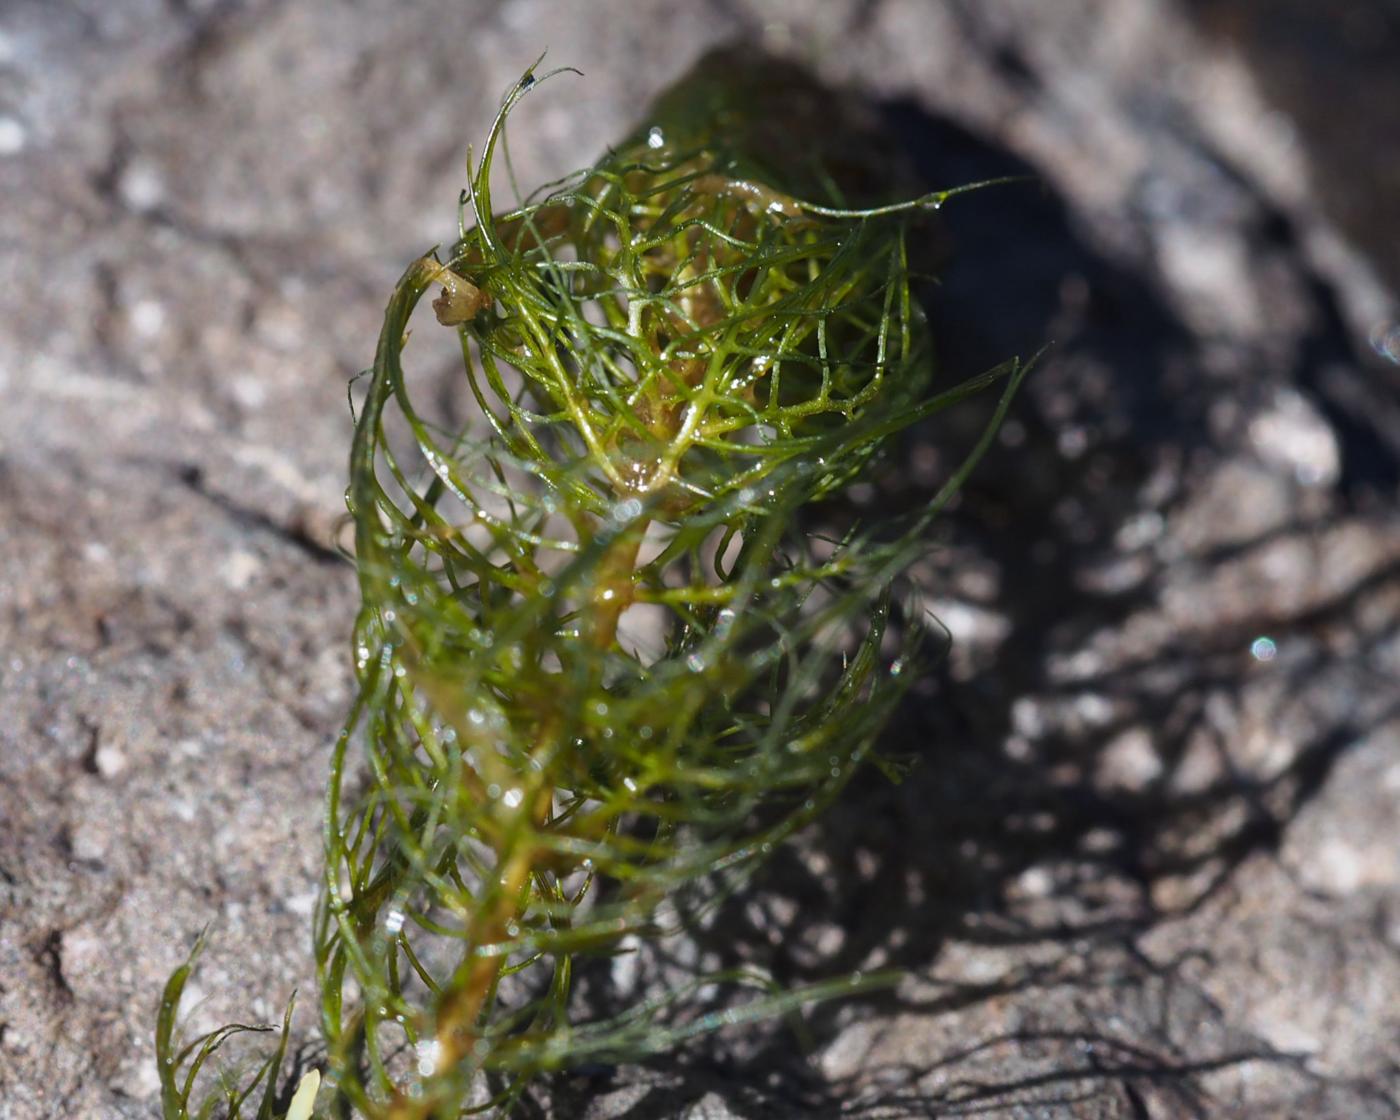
pixel 1147 866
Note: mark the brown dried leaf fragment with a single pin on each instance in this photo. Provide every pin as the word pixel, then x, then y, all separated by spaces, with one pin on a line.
pixel 460 301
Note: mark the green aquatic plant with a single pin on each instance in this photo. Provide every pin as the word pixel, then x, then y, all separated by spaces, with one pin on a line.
pixel 607 657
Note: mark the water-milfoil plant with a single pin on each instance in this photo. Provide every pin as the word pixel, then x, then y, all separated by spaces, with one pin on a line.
pixel 607 655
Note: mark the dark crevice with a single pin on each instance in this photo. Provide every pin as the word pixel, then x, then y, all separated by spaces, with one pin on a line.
pixel 297 536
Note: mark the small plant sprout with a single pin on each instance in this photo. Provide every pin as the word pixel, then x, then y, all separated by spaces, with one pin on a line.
pixel 604 661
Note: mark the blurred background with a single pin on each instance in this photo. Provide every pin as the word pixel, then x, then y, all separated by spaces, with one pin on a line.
pixel 1149 862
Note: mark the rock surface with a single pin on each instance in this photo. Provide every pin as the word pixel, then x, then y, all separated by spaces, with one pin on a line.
pixel 1147 866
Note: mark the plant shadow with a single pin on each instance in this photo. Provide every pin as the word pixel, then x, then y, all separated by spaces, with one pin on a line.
pixel 1078 780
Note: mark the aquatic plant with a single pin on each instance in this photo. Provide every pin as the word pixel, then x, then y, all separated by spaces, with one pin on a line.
pixel 607 657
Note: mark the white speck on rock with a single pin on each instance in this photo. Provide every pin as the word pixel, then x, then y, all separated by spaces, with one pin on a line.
pixel 141 186
pixel 1288 1037
pixel 183 808
pixel 138 1079
pixel 240 569
pixel 147 317
pixel 1335 867
pixel 249 392
pixel 711 1107
pixel 1036 882
pixel 82 957
pixel 848 1053
pixel 625 966
pixel 13 136
pixel 1291 434
pixel 1130 761
pixel 1140 530
pixel 1072 442
pixel 110 760
pixel 89 842
pixel 1093 708
pixel 1028 717
pixel 969 623
pixel 1210 274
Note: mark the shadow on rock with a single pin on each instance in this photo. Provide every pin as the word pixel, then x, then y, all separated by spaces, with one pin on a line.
pixel 1146 688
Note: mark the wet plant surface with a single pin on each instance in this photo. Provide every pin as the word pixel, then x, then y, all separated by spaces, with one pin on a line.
pixel 613 648
pixel 1145 865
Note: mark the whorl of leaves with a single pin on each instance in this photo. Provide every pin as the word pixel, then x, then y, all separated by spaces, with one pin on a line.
pixel 600 659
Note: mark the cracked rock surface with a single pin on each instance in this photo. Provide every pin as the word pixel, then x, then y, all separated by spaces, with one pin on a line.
pixel 1147 865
